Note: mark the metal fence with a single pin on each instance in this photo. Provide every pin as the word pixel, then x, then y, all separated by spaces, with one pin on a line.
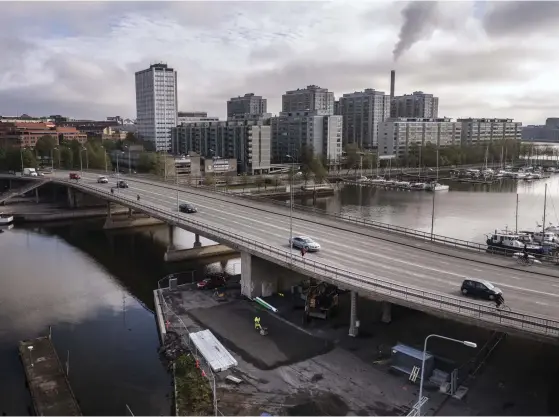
pixel 370 283
pixel 177 324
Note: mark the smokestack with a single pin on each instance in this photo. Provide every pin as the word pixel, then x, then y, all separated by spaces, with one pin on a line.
pixel 392 84
pixel 392 87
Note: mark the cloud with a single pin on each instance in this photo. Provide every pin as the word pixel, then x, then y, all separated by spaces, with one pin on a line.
pixel 79 58
pixel 517 18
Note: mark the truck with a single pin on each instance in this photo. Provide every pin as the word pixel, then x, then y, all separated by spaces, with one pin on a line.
pixel 30 172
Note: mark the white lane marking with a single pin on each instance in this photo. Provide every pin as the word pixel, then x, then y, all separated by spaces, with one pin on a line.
pixel 361 259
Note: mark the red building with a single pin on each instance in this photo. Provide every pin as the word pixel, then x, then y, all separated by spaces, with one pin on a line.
pixel 26 134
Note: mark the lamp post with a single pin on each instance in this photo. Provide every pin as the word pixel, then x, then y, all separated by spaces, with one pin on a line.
pixel 129 167
pixel 86 158
pixel 462 342
pixel 81 164
pixel 213 168
pixel 291 208
pixel 52 158
pixel 21 156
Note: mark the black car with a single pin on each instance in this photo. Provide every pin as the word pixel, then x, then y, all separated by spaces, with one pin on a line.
pixel 480 288
pixel 121 184
pixel 187 208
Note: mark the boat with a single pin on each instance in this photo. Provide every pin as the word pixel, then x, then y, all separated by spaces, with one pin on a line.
pixel 435 186
pixel 379 180
pixel 418 186
pixel 6 219
pixel 510 241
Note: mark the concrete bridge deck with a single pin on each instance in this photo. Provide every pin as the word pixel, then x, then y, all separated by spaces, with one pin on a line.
pixel 389 266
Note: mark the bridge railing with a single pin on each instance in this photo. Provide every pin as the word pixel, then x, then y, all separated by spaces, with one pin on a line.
pixel 419 234
pixel 370 283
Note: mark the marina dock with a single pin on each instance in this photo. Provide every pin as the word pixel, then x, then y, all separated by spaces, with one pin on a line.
pixel 48 383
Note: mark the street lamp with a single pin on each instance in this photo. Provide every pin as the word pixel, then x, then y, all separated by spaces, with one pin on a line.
pixel 213 168
pixel 129 166
pixel 291 208
pixel 86 158
pixel 52 158
pixel 462 342
pixel 105 155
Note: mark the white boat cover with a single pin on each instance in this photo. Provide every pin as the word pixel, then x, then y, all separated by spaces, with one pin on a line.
pixel 213 351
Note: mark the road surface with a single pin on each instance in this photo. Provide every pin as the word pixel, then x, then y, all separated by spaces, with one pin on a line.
pixel 361 249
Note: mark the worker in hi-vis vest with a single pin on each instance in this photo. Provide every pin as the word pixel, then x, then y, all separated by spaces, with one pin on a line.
pixel 257 323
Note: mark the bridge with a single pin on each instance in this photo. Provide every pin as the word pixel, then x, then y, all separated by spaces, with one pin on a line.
pixel 385 266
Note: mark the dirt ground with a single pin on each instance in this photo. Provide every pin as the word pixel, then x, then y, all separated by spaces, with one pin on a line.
pixel 307 369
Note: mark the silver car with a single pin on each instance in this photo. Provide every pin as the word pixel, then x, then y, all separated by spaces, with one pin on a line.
pixel 306 242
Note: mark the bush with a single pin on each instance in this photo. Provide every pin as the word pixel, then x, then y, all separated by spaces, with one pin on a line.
pixel 194 392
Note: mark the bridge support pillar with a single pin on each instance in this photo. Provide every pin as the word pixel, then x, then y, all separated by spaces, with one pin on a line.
pixel 353 324
pixel 257 277
pixel 71 197
pixel 37 195
pixel 386 312
pixel 129 212
pixel 197 243
pixel 171 245
pixel 109 214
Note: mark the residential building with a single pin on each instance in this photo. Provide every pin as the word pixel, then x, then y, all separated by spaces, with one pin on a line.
pixel 534 133
pixel 26 134
pixel 156 105
pixel 476 131
pixel 397 136
pixel 249 104
pixel 69 133
pixel 247 141
pixel 418 104
pixel 310 99
pixel 26 118
pixel 291 131
pixel 91 128
pixel 111 133
pixel 194 116
pixel 362 112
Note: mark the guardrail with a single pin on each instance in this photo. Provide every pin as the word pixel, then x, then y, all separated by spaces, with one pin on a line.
pixel 371 283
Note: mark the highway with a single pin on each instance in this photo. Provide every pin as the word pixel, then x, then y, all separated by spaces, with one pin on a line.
pixel 356 248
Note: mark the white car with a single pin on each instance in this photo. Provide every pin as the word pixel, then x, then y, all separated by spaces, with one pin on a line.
pixel 306 242
pixel 102 180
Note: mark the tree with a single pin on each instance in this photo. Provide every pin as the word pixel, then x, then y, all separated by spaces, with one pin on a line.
pixel 306 155
pixel 228 179
pixel 244 180
pixel 131 137
pixel 352 156
pixel 259 181
pixel 28 157
pixel 209 180
pixel 45 144
pixel 318 170
pixel 66 157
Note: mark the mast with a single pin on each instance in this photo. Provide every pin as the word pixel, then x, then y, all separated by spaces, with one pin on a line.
pixel 502 150
pixel 544 206
pixel 516 229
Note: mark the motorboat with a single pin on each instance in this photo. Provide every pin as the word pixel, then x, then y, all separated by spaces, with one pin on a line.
pixel 418 186
pixel 510 241
pixel 378 180
pixel 545 237
pixel 550 169
pixel 362 178
pixel 435 186
pixel 6 219
pixel 405 185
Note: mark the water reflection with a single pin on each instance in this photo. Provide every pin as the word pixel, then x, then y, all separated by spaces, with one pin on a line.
pixel 95 289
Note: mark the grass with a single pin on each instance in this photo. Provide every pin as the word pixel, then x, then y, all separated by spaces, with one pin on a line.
pixel 194 392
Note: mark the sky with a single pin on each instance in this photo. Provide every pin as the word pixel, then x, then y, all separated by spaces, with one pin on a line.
pixel 482 59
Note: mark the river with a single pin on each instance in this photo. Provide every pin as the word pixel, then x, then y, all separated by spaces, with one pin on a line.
pixel 466 211
pixel 96 291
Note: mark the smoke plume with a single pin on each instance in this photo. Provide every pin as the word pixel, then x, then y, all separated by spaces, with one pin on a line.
pixel 419 21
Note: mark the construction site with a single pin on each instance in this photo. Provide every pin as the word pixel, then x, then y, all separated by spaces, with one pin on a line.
pixel 294 356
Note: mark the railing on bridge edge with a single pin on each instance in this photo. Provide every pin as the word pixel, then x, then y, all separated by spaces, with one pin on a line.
pixel 532 323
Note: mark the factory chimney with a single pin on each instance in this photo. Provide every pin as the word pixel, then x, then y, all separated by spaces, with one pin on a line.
pixel 392 83
pixel 392 87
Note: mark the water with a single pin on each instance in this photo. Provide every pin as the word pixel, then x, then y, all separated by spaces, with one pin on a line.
pixel 96 291
pixel 466 212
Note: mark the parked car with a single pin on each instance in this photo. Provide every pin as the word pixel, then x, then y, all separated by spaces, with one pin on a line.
pixel 187 208
pixel 480 288
pixel 306 242
pixel 121 184
pixel 211 283
pixel 74 176
pixel 102 179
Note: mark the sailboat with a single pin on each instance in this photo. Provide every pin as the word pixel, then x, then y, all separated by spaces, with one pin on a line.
pixel 435 186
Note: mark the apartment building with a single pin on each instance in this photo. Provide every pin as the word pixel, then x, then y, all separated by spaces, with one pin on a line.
pixel 156 105
pixel 418 105
pixel 476 131
pixel 310 99
pixel 184 117
pixel 396 136
pixel 249 104
pixel 293 130
pixel 362 112
pixel 247 141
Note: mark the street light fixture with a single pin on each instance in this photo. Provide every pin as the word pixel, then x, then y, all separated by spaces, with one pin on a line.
pixel 291 208
pixel 213 168
pixel 462 342
pixel 129 166
pixel 52 158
